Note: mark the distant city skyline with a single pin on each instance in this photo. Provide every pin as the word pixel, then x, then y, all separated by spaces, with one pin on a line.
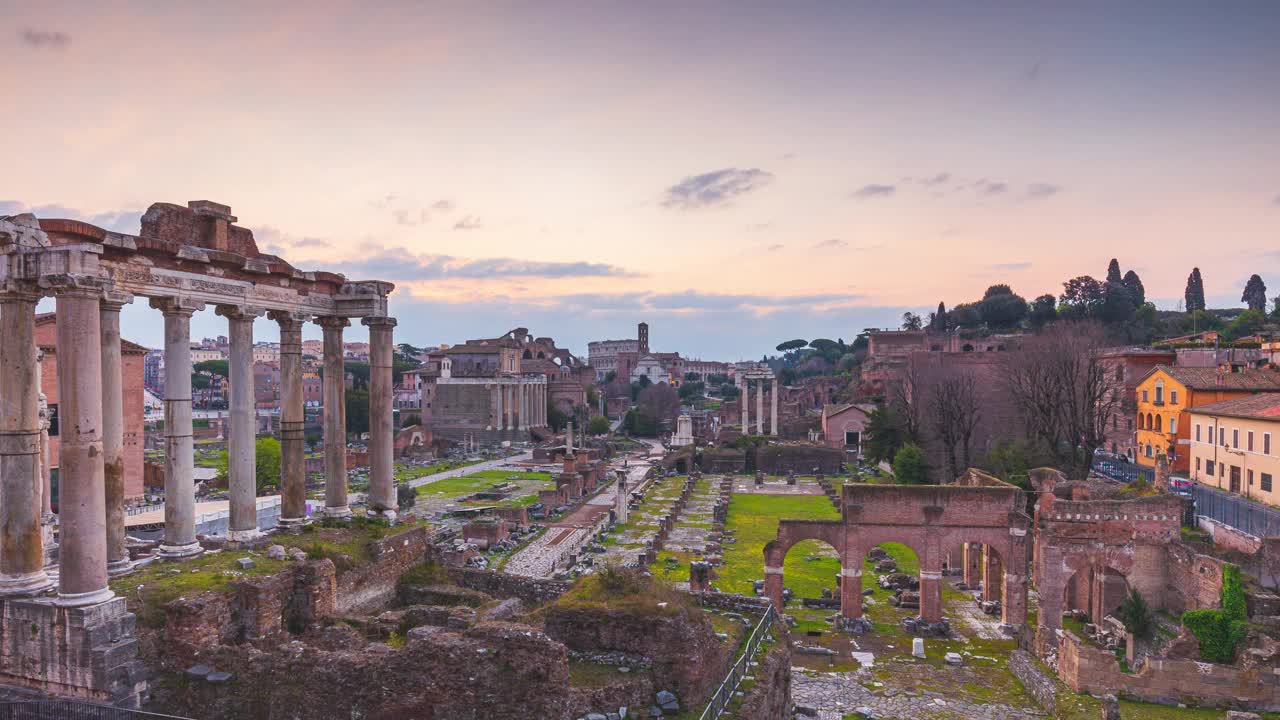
pixel 735 174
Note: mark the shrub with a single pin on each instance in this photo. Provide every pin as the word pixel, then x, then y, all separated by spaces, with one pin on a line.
pixel 1221 630
pixel 909 466
pixel 1136 615
pixel 406 496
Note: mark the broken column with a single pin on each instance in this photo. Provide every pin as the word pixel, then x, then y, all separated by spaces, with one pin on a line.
pixel 113 302
pixel 179 449
pixel 293 472
pixel 382 485
pixel 21 484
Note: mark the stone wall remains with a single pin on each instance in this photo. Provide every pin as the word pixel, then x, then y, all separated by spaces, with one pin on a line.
pixel 371 586
pixel 780 459
pixel 1195 580
pixel 1085 668
pixel 1039 686
pixel 1229 538
pixel 530 591
pixel 770 698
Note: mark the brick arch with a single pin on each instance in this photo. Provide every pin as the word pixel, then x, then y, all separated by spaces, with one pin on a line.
pixel 791 532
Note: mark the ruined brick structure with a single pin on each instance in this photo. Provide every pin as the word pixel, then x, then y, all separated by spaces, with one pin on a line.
pixel 930 519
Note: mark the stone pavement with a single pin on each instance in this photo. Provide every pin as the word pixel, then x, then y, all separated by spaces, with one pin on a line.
pixel 833 695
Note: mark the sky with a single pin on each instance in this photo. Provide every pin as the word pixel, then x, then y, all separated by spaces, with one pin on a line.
pixel 736 174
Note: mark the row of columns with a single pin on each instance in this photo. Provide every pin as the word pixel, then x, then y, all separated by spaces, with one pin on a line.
pixel 91 422
pixel 519 405
pixel 745 402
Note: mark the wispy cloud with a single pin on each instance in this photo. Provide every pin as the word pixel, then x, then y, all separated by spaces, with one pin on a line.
pixel 1010 266
pixel 400 264
pixel 470 222
pixel 715 188
pixel 775 247
pixel 44 39
pixel 874 191
pixel 1037 191
pixel 1276 201
pixel 124 221
pixel 991 187
pixel 831 243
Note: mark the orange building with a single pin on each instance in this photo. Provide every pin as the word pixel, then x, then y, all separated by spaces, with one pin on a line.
pixel 1166 393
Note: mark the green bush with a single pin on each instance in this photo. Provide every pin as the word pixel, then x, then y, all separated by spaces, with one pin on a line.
pixel 1221 630
pixel 909 466
pixel 1136 615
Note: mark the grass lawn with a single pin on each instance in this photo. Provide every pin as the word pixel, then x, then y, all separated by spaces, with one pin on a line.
pixel 483 480
pixel 413 473
pixel 754 519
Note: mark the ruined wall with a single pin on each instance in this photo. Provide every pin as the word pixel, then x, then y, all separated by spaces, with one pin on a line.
pixel 530 591
pixel 1038 685
pixel 1229 538
pixel 781 459
pixel 1195 580
pixel 372 585
pixel 770 698
pixel 1086 668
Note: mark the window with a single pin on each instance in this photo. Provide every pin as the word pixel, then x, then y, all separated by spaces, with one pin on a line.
pixel 1264 482
pixel 1249 475
pixel 1208 467
pixel 1149 453
pixel 1222 436
pixel 1173 397
pixel 1222 469
pixel 1159 423
pixel 1235 438
pixel 1197 432
pixel 1266 443
pixel 1249 442
pixel 1144 396
pixel 1173 425
pixel 1197 464
pixel 1159 393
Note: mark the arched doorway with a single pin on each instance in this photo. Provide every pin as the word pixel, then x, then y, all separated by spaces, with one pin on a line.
pixel 806 557
pixel 1097 591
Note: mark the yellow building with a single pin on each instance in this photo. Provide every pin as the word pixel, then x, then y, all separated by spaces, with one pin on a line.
pixel 1166 394
pixel 1235 446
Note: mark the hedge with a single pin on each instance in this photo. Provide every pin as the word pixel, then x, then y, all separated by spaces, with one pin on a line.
pixel 1221 630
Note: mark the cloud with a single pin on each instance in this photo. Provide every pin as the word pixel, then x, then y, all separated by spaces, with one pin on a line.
pixel 832 243
pixel 399 264
pixel 775 247
pixel 874 191
pixel 409 217
pixel 693 300
pixel 313 242
pixel 442 205
pixel 470 222
pixel 1037 191
pixel 1276 202
pixel 990 187
pixel 714 188
pixel 122 221
pixel 44 39
pixel 1010 266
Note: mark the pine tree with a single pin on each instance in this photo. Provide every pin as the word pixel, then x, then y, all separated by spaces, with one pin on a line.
pixel 1136 290
pixel 1113 271
pixel 1194 294
pixel 1255 294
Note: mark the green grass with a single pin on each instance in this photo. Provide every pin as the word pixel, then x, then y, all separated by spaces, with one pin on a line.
pixel 413 473
pixel 478 481
pixel 754 519
pixel 149 589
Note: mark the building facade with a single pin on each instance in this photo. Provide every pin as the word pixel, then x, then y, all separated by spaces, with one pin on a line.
pixel 1235 446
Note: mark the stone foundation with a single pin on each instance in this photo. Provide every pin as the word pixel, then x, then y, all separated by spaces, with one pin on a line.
pixel 88 652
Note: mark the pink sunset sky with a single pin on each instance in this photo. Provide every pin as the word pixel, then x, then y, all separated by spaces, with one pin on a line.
pixel 736 174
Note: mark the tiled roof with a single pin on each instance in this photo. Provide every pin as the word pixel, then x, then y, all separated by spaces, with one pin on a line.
pixel 1263 406
pixel 1202 378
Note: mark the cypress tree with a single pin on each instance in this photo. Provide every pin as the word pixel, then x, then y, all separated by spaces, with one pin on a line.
pixel 1134 284
pixel 1255 294
pixel 1113 271
pixel 1194 294
pixel 940 318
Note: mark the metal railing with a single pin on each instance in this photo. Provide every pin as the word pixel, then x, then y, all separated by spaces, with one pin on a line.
pixel 724 693
pixel 1237 511
pixel 73 710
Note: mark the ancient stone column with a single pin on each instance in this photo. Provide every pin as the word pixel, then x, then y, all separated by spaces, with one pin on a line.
pixel 179 450
pixel 382 482
pixel 972 564
pixel 744 400
pixel 760 407
pixel 335 419
pixel 511 406
pixel 992 575
pixel 293 475
pixel 118 562
pixel 82 502
pixel 773 416
pixel 497 414
pixel 21 484
pixel 851 588
pixel 242 465
pixel 931 579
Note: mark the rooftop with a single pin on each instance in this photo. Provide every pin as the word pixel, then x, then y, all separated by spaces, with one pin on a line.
pixel 1199 378
pixel 1264 406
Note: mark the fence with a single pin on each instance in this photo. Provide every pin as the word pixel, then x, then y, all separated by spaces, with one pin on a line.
pixel 725 692
pixel 1236 511
pixel 73 710
pixel 1120 469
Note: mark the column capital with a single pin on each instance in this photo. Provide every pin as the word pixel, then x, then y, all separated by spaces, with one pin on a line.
pixel 239 312
pixel 378 321
pixel 114 300
pixel 176 305
pixel 288 320
pixel 332 323
pixel 20 292
pixel 75 285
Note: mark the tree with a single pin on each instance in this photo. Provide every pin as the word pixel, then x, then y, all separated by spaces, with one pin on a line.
pixel 1001 309
pixel 410 419
pixel 406 497
pixel 1044 310
pixel 1246 323
pixel 1113 272
pixel 909 467
pixel 1117 303
pixel 599 425
pixel 1082 298
pixel 790 345
pixel 1064 392
pixel 1194 294
pixel 593 397
pixel 964 315
pixel 359 372
pixel 954 413
pixel 939 322
pixel 659 402
pixel 691 390
pixel 883 436
pixel 1255 294
pixel 556 418
pixel 1275 311
pixel 357 406
pixel 911 321
pixel 267 463
pixel 1136 615
pixel 213 367
pixel 610 376
pixel 1136 290
pixel 200 381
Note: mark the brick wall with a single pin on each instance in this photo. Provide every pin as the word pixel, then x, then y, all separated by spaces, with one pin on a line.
pixel 371 586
